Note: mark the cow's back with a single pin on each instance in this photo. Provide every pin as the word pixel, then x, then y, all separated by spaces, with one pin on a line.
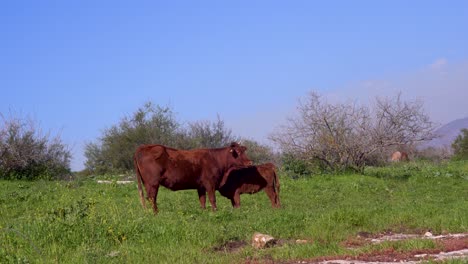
pixel 147 155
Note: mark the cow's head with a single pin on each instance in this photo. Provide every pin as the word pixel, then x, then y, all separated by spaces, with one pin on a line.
pixel 237 155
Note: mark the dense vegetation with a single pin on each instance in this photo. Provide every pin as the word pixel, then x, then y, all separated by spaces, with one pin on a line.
pixel 324 137
pixel 460 146
pixel 82 221
pixel 150 124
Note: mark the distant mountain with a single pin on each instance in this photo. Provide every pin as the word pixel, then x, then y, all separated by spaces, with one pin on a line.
pixel 447 134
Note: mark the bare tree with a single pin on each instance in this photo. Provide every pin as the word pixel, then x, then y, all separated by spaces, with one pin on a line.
pixel 400 123
pixel 345 135
pixel 27 153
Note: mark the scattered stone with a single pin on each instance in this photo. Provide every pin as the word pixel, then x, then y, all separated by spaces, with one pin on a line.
pixel 458 254
pixel 262 240
pixel 113 254
pixel 342 261
pixel 301 241
pixel 118 182
pixel 428 234
pixel 454 245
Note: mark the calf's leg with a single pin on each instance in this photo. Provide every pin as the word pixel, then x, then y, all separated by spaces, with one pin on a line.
pixel 236 199
pixel 202 197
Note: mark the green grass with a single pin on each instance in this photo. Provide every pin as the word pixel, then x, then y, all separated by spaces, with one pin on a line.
pixel 85 222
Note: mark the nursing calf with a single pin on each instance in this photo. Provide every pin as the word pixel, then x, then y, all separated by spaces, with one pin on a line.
pixel 251 179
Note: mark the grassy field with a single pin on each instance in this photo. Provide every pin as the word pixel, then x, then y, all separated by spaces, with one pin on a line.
pixel 85 222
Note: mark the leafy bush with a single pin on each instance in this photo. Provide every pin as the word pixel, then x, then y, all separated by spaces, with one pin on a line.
pixel 460 146
pixel 206 134
pixel 25 153
pixel 260 153
pixel 434 154
pixel 423 169
pixel 296 167
pixel 113 152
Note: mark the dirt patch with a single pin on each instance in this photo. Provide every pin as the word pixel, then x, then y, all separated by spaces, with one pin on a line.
pixel 230 246
pixel 427 235
pixel 452 244
pixel 447 246
pixel 233 246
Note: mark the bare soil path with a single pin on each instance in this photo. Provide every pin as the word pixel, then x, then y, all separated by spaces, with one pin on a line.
pixel 449 246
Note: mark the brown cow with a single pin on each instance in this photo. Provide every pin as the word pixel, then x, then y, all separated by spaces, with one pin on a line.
pixel 399 156
pixel 251 179
pixel 200 169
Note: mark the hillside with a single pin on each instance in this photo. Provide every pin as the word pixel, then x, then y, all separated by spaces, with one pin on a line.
pixel 447 133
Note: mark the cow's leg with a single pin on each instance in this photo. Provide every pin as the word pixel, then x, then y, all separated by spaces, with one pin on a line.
pixel 272 196
pixel 277 200
pixel 142 199
pixel 202 197
pixel 212 197
pixel 152 191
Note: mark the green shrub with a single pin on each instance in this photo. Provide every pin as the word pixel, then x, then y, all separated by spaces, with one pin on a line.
pixel 460 146
pixel 260 153
pixel 423 169
pixel 296 167
pixel 113 151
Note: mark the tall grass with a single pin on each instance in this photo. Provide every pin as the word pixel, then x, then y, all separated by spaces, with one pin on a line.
pixel 86 222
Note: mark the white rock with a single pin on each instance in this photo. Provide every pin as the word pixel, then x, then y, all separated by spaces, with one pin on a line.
pixel 262 240
pixel 428 234
pixel 113 254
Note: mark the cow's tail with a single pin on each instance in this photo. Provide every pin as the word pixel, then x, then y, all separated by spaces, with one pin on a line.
pixel 276 186
pixel 139 180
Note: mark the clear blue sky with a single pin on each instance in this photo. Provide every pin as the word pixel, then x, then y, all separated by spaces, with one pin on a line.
pixel 79 66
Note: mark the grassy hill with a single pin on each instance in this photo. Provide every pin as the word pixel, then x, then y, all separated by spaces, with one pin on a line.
pixel 86 222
